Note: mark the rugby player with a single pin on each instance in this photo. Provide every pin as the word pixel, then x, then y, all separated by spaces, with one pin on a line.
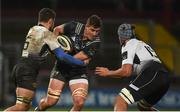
pixel 86 43
pixel 152 80
pixel 39 41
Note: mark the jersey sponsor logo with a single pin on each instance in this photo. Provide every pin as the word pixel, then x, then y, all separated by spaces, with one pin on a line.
pixel 124 55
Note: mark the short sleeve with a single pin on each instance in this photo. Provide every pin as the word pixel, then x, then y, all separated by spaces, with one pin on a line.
pixel 73 27
pixel 128 53
pixel 50 40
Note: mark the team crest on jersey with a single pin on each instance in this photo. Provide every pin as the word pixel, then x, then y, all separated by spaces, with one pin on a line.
pixel 124 55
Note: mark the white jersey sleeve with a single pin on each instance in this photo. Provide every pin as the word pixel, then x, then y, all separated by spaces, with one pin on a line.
pixel 128 52
pixel 51 40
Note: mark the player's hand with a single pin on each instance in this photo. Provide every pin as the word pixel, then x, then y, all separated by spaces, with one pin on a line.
pixel 102 71
pixel 86 62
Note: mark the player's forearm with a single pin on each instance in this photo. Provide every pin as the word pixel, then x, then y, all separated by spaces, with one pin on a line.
pixel 118 73
pixel 67 58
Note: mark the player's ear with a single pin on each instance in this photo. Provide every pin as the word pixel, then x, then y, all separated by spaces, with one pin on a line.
pixel 51 21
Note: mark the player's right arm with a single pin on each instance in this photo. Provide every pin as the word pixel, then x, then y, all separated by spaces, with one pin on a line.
pixel 68 28
pixel 59 30
pixel 51 41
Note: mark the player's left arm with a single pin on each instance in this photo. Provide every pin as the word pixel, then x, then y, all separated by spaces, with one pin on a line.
pixel 89 51
pixel 51 41
pixel 82 56
pixel 124 71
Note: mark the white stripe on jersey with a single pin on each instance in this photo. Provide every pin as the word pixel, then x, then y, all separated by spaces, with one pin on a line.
pixel 78 28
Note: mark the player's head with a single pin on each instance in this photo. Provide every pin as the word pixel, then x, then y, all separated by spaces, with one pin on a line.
pixel 93 27
pixel 125 32
pixel 47 15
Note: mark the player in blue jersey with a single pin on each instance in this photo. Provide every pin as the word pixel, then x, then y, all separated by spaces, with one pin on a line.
pixel 86 42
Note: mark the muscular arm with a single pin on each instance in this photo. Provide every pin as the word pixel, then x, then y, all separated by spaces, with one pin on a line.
pixel 61 55
pixel 124 71
pixel 82 56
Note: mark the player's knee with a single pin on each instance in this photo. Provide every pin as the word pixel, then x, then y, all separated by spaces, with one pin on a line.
pixel 79 96
pixel 79 101
pixel 120 102
pixel 50 102
pixel 22 107
pixel 23 103
pixel 53 97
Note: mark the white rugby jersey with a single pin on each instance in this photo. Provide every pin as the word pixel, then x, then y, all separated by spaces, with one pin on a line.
pixel 138 54
pixel 36 39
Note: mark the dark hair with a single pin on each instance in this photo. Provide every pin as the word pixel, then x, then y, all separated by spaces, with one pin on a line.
pixel 45 14
pixel 94 21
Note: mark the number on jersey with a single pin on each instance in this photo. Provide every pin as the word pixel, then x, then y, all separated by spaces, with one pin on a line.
pixel 151 51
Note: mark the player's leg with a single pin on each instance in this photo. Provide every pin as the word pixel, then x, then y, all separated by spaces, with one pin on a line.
pixel 79 89
pixel 53 95
pixel 123 100
pixel 25 80
pixel 23 102
pixel 157 92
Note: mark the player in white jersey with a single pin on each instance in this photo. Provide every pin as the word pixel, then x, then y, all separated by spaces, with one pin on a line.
pixel 152 79
pixel 39 41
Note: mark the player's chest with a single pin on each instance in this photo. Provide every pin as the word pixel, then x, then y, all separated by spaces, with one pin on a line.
pixel 78 43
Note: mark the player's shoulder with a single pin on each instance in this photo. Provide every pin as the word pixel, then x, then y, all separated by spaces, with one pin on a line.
pixel 132 42
pixel 39 28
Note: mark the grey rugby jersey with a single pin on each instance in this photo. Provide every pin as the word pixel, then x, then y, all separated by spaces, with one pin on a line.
pixel 37 38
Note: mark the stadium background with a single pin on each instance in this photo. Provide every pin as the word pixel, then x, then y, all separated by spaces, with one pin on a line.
pixel 157 22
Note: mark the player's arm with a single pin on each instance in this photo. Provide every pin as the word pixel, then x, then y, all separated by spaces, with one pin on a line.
pixel 61 55
pixel 59 30
pixel 128 54
pixel 66 28
pixel 51 41
pixel 82 56
pixel 124 71
pixel 89 51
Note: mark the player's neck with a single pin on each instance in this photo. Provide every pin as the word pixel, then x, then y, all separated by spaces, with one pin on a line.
pixel 46 25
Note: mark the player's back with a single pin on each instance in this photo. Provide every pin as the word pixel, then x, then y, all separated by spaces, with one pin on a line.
pixel 35 47
pixel 140 54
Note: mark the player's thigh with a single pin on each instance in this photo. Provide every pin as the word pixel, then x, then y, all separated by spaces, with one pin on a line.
pixel 24 92
pixel 56 84
pixel 79 87
pixel 54 90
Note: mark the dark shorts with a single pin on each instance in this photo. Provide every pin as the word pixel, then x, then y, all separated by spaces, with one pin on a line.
pixel 66 75
pixel 25 76
pixel 150 85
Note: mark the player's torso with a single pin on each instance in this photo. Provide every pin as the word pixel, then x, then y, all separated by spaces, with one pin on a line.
pixel 75 31
pixel 34 46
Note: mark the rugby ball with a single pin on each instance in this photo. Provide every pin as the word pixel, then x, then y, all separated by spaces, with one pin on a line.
pixel 65 43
